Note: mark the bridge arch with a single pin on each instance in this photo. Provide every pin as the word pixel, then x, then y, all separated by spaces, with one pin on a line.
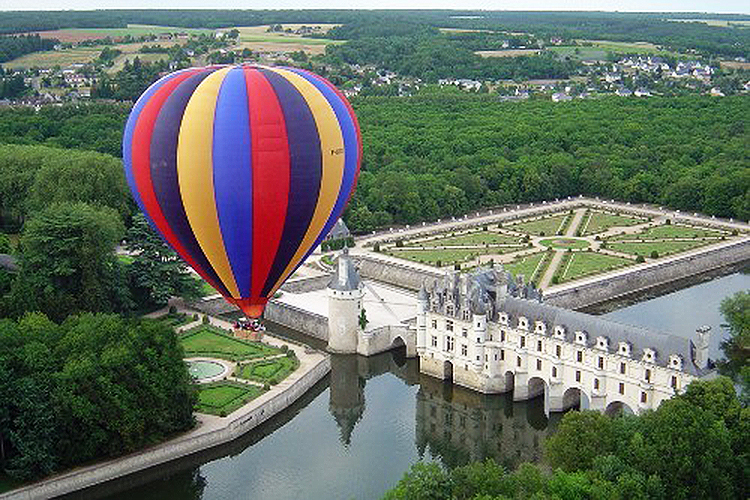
pixel 575 397
pixel 538 386
pixel 616 408
pixel 447 370
pixel 510 380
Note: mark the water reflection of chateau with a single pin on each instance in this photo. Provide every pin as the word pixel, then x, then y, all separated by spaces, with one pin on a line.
pixel 453 423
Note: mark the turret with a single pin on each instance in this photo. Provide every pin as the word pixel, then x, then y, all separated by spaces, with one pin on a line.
pixel 703 336
pixel 422 304
pixel 345 293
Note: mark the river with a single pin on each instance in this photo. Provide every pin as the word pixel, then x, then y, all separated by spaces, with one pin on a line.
pixel 357 432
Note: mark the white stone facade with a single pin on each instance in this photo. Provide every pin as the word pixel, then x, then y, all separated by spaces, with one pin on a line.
pixel 501 349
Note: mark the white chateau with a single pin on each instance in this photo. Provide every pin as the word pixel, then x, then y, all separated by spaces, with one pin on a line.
pixel 491 334
pixel 488 333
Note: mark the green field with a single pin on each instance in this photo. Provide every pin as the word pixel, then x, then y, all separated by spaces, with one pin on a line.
pixel 209 341
pixel 526 266
pixel 565 243
pixel 598 222
pixel 271 371
pixel 222 398
pixel 52 58
pixel 588 263
pixel 661 247
pixel 598 49
pixel 475 238
pixel 671 231
pixel 547 226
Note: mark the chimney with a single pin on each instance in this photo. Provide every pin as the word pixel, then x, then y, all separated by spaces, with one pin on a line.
pixel 703 336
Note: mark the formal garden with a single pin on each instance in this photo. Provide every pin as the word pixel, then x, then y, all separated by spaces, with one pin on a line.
pixel 213 342
pixel 557 247
pixel 223 397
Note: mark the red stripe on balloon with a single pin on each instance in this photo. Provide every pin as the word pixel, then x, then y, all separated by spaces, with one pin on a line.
pixel 271 169
pixel 141 160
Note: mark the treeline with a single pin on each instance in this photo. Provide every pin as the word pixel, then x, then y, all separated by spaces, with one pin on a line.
pixel 12 47
pixel 432 56
pixel 694 445
pixel 91 387
pixel 433 156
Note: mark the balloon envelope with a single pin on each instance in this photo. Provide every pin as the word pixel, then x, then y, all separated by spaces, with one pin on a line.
pixel 243 170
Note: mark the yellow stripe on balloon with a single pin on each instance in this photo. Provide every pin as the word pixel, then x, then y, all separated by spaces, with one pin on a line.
pixel 332 150
pixel 195 174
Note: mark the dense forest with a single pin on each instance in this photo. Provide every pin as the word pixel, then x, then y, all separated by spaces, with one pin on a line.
pixel 653 27
pixel 12 47
pixel 445 153
pixel 75 391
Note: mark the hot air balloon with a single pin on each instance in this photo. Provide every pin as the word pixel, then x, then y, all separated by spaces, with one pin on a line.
pixel 243 170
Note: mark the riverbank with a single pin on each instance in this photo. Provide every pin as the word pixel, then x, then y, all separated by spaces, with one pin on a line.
pixel 210 431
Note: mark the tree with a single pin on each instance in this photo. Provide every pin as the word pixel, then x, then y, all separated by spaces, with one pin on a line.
pixel 363 319
pixel 736 313
pixel 68 264
pixel 156 273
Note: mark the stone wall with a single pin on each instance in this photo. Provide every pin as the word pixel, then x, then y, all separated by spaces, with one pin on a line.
pixel 640 279
pixel 297 319
pixel 305 285
pixel 245 420
pixel 401 275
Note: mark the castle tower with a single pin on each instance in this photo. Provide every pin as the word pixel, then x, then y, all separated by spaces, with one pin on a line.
pixel 422 302
pixel 703 336
pixel 347 395
pixel 345 292
pixel 479 313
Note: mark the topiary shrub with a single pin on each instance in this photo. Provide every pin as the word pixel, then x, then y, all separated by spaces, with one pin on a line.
pixel 291 354
pixel 541 233
pixel 555 280
pixel 195 317
pixel 172 309
pixel 654 254
pixel 223 413
pixel 640 259
pixel 266 387
pixel 206 320
pixel 399 243
pixel 376 247
pixel 284 348
pixel 273 381
pixel 439 263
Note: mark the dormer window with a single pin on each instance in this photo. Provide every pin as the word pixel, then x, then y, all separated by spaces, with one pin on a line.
pixel 560 333
pixel 540 328
pixel 649 355
pixel 523 323
pixel 581 338
pixel 675 362
pixel 623 349
pixel 602 343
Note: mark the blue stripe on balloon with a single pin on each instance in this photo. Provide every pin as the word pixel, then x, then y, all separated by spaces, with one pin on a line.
pixel 351 151
pixel 232 167
pixel 306 171
pixel 164 139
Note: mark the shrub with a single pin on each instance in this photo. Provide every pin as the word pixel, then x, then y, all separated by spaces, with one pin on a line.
pixel 223 413
pixel 541 233
pixel 735 232
pixel 578 233
pixel 399 243
pixel 172 309
pixel 206 321
pixel 291 354
pixel 555 280
pixel 439 263
pixel 266 387
pixel 273 381
pixel 376 247
pixel 284 348
pixel 640 259
pixel 654 254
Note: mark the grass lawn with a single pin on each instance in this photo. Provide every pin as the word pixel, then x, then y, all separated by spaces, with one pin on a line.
pixel 222 398
pixel 587 263
pixel 548 226
pixel 671 231
pixel 272 371
pixel 565 243
pixel 661 247
pixel 526 266
pixel 176 319
pixel 206 340
pixel 475 238
pixel 600 221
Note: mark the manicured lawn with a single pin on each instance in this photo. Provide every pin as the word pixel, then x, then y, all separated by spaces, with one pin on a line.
pixel 549 226
pixel 565 243
pixel 661 247
pixel 206 340
pixel 433 256
pixel 672 231
pixel 475 238
pixel 526 266
pixel 222 398
pixel 587 263
pixel 272 371
pixel 600 221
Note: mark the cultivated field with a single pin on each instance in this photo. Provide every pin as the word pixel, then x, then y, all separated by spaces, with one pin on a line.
pixel 74 35
pixel 52 58
pixel 508 52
